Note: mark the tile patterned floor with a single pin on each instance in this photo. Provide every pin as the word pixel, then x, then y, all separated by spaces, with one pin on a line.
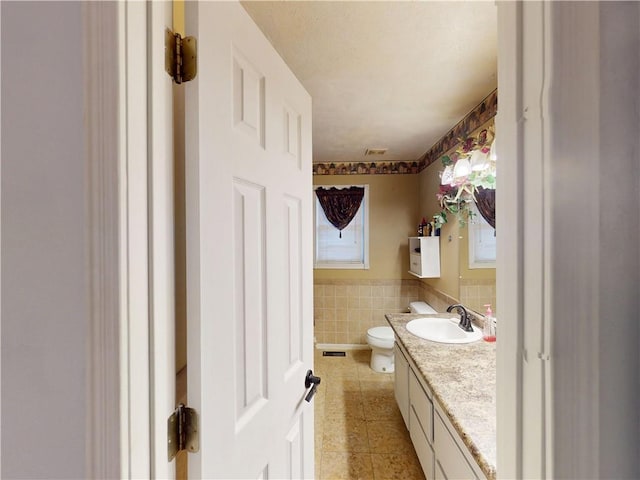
pixel 360 434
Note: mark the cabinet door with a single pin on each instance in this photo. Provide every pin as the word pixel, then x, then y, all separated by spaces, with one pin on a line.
pixel 422 404
pixel 422 446
pixel 424 257
pixel 448 455
pixel 402 384
pixel 430 256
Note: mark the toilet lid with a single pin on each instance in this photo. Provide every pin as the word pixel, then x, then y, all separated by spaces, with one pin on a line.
pixel 383 333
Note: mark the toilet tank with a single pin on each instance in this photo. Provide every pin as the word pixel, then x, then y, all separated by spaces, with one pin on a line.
pixel 421 307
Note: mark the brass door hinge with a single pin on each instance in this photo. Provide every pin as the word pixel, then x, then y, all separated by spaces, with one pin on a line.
pixel 182 431
pixel 180 56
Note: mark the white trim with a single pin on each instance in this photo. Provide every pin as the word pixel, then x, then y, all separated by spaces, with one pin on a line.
pixel 161 241
pixel 342 346
pixel 135 441
pixel 473 227
pixel 509 273
pixel 534 201
pixel 101 113
pixel 0 252
pixel 341 266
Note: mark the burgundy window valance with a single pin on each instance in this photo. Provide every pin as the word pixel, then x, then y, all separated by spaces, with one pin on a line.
pixel 340 205
pixel 486 202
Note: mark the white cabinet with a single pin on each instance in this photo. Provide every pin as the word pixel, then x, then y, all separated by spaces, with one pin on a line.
pixel 451 462
pixel 424 449
pixel 441 451
pixel 421 424
pixel 424 257
pixel 401 384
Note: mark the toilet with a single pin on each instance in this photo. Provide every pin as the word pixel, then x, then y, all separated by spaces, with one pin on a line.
pixel 380 339
pixel 421 307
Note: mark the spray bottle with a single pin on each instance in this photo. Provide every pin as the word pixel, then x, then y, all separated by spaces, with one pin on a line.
pixel 489 329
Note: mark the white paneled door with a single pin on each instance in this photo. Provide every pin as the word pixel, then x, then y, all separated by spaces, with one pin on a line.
pixel 249 246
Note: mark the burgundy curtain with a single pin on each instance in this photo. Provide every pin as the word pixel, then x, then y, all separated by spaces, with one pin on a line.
pixel 340 205
pixel 486 202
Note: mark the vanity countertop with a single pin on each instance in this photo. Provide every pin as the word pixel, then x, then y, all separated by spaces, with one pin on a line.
pixel 463 380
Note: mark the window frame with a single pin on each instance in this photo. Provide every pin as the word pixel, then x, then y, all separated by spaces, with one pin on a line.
pixel 364 265
pixel 478 222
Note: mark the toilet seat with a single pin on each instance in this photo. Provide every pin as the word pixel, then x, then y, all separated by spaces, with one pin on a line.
pixel 381 337
pixel 381 333
pixel 381 340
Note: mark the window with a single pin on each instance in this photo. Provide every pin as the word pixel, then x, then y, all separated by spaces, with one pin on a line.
pixel 482 242
pixel 351 250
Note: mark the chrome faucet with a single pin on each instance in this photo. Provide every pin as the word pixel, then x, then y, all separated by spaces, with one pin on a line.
pixel 465 319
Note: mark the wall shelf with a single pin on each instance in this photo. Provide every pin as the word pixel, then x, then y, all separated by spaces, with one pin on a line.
pixel 424 257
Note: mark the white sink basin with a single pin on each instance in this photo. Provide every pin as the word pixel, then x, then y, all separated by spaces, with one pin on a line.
pixel 443 330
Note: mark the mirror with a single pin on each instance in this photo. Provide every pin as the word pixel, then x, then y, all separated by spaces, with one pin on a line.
pixel 471 283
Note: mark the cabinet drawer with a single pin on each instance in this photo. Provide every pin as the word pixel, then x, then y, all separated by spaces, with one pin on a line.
pixel 415 262
pixel 423 448
pixel 449 457
pixel 422 404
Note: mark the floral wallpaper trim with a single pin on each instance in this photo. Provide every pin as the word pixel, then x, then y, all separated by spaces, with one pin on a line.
pixel 483 112
pixel 362 168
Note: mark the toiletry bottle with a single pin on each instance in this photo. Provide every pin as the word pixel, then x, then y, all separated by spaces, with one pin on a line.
pixel 489 329
pixel 423 228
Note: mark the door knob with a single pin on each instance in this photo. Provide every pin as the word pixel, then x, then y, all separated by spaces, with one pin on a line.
pixel 310 380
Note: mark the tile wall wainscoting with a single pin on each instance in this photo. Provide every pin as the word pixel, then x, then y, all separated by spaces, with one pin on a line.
pixel 437 299
pixel 476 293
pixel 345 309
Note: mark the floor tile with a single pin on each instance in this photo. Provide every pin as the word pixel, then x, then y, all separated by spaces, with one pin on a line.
pixel 346 466
pixel 350 406
pixel 388 437
pixel 396 467
pixel 379 404
pixel 366 373
pixel 360 433
pixel 345 435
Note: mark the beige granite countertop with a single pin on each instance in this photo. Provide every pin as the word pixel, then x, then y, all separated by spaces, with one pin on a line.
pixel 463 380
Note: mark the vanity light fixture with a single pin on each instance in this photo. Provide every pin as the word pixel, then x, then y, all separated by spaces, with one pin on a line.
pixel 462 168
pixel 479 161
pixel 447 175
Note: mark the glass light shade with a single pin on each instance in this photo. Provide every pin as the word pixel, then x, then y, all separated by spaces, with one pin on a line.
pixel 462 168
pixel 479 161
pixel 447 175
pixel 492 152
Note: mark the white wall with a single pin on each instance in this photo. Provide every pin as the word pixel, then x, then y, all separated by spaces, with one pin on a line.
pixel 44 242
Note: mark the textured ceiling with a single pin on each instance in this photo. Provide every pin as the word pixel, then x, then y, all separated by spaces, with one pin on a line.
pixel 394 75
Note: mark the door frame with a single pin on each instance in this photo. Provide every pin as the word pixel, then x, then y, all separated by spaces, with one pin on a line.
pixel 120 402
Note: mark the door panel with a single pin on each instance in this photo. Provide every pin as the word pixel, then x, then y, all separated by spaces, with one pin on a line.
pixel 249 245
pixel 248 96
pixel 293 314
pixel 249 313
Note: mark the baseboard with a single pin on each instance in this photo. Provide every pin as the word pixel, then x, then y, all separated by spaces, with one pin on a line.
pixel 342 346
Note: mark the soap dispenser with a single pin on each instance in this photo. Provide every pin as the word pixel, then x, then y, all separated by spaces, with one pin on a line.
pixel 489 329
